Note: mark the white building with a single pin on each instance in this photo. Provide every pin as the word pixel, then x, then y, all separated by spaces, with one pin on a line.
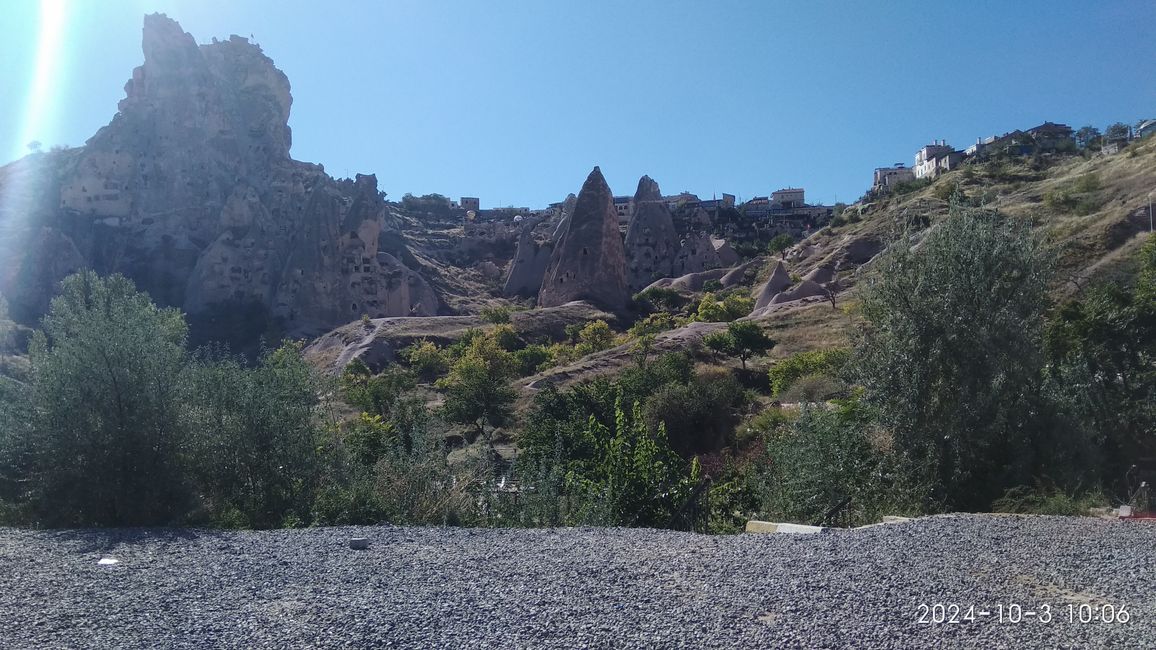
pixel 888 177
pixel 936 158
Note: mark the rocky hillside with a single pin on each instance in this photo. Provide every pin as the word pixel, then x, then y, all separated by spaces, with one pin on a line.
pixel 191 192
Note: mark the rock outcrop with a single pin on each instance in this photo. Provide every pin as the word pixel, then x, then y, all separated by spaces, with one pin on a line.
pixel 651 240
pixel 190 191
pixel 696 254
pixel 821 274
pixel 805 289
pixel 726 254
pixel 738 274
pixel 776 284
pixel 529 264
pixel 588 261
pixel 690 281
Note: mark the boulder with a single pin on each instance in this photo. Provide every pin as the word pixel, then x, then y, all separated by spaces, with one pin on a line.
pixel 651 240
pixel 588 262
pixel 690 281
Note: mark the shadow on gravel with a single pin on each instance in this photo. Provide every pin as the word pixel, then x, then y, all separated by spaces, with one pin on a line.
pixel 92 540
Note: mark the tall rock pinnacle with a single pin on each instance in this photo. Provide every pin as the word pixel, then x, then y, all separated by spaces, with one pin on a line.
pixel 651 240
pixel 589 262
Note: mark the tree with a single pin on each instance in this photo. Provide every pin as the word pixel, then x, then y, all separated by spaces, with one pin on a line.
pixel 105 388
pixel 1086 136
pixel 950 353
pixel 595 336
pixel 477 387
pixel 254 435
pixel 1117 131
pixel 780 244
pixel 742 339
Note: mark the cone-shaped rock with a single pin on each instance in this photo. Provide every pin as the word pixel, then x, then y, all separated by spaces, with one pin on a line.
pixel 588 262
pixel 777 283
pixel 529 265
pixel 651 240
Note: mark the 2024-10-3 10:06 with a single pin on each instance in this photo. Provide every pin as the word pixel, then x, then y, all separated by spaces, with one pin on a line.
pixel 951 613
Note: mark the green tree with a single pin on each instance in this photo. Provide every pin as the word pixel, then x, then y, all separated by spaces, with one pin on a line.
pixel 780 243
pixel 595 336
pixel 1117 131
pixel 477 387
pixel 742 339
pixel 1087 136
pixel 951 353
pixel 255 436
pixel 105 389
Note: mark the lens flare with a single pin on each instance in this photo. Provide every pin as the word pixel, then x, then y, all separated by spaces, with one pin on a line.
pixel 38 112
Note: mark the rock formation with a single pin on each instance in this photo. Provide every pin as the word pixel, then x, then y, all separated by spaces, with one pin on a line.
pixel 529 264
pixel 696 254
pixel 651 240
pixel 726 255
pixel 738 274
pixel 805 289
pixel 821 274
pixel 190 191
pixel 690 281
pixel 776 284
pixel 588 261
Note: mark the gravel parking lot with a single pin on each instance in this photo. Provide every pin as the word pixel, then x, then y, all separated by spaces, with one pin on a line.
pixel 458 588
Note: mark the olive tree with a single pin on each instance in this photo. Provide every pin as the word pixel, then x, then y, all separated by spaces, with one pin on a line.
pixel 105 444
pixel 950 354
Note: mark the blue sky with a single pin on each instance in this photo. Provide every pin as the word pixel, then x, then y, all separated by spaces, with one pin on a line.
pixel 514 102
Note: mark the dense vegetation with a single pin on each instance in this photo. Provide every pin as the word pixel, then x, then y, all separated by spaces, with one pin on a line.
pixel 966 388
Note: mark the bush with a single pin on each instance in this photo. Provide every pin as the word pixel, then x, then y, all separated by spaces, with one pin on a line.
pixel 712 285
pixel 477 387
pixel 254 437
pixel 740 339
pixel 1043 500
pixel 731 307
pixel 426 359
pixel 825 457
pixel 813 362
pixel 496 315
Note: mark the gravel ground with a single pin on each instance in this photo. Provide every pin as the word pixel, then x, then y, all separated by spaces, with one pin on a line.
pixel 458 588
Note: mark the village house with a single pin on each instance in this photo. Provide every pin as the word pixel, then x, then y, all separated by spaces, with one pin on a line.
pixel 471 203
pixel 887 178
pixel 936 158
pixel 624 208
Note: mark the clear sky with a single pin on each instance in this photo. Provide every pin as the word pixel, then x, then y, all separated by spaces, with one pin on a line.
pixel 514 102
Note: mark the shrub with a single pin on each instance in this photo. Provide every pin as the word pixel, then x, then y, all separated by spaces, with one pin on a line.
pixel 426 359
pixel 813 362
pixel 740 339
pixel 595 336
pixel 1043 500
pixel 532 359
pixel 712 285
pixel 825 457
pixel 731 307
pixel 496 315
pixel 255 439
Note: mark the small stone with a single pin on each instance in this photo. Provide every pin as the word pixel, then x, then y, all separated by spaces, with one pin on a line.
pixel 359 543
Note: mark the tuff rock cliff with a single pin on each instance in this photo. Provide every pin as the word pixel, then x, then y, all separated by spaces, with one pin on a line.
pixel 191 192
